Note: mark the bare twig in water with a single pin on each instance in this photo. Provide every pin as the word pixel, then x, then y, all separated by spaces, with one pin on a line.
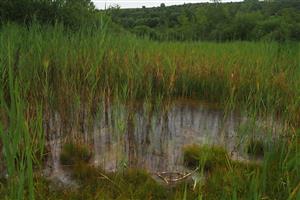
pixel 183 176
pixel 163 178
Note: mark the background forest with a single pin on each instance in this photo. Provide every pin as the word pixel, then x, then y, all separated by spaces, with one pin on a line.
pixel 248 20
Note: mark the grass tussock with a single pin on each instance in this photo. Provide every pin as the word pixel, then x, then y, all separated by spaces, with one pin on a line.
pixel 205 157
pixel 73 153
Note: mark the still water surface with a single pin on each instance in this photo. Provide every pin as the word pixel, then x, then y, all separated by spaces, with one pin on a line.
pixel 148 139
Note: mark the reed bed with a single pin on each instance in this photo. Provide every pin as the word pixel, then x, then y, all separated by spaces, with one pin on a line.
pixel 59 66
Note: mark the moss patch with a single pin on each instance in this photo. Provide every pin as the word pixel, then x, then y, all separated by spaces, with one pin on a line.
pixel 206 157
pixel 73 153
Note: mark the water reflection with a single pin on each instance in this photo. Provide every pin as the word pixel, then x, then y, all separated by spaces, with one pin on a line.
pixel 144 138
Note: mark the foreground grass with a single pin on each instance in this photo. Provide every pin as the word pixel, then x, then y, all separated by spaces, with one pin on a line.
pixel 49 68
pixel 273 178
pixel 277 177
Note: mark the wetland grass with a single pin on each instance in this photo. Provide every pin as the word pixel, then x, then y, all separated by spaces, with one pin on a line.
pixel 48 69
pixel 60 66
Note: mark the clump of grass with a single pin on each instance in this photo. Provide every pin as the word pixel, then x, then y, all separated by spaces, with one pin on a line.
pixel 142 186
pixel 205 157
pixel 233 182
pixel 255 147
pixel 85 173
pixel 76 156
pixel 73 153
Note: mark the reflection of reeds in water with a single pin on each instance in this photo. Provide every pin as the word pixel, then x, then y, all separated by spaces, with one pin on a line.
pixel 137 135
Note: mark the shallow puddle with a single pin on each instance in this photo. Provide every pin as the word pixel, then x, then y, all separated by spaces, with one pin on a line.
pixel 153 140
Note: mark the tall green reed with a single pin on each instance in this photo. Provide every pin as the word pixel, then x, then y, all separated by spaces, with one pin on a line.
pixel 17 133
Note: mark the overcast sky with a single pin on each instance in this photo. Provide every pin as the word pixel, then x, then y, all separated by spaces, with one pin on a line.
pixel 100 4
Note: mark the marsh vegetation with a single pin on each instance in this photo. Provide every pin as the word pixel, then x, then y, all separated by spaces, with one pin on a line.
pixel 91 112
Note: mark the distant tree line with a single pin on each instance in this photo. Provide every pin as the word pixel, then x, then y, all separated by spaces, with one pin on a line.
pixel 72 13
pixel 248 20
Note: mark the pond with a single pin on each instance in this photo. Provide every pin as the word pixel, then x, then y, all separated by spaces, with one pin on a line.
pixel 153 139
